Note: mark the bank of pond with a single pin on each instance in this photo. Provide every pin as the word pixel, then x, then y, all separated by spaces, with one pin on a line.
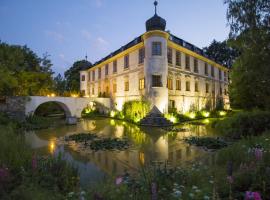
pixel 103 158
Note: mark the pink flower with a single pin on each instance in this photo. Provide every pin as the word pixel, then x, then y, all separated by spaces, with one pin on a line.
pixel 118 180
pixel 154 191
pixel 34 162
pixel 252 196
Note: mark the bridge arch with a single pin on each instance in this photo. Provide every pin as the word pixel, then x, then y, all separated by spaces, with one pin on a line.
pixel 62 105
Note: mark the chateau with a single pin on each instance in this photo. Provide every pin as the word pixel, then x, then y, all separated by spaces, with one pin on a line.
pixel 157 66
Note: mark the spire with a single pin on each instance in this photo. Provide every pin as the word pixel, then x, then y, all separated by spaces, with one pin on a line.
pixel 155 4
pixel 86 56
pixel 155 22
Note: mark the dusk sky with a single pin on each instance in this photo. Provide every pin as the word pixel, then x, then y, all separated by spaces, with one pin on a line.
pixel 68 29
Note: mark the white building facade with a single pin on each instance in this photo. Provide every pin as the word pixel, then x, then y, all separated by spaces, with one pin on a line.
pixel 159 67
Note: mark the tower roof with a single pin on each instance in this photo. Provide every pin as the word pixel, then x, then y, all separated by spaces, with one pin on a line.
pixel 156 22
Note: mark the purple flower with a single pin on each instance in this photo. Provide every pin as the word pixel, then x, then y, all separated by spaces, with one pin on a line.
pixel 258 153
pixel 252 196
pixel 34 162
pixel 154 191
pixel 4 174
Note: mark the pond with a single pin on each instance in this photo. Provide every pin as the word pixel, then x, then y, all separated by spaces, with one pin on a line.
pixel 148 146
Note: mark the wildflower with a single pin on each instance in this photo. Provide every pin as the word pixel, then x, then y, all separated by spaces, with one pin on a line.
pixel 177 193
pixel 191 195
pixel 34 162
pixel 211 181
pixel 230 179
pixel 4 174
pixel 118 180
pixel 194 187
pixel 258 154
pixel 154 191
pixel 252 196
pixel 205 197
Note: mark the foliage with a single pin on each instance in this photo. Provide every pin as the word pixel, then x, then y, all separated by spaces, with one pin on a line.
pixel 206 142
pixel 72 75
pixel 81 137
pixel 24 175
pixel 250 34
pixel 49 108
pixel 236 169
pixel 109 144
pixel 244 124
pixel 22 72
pixel 135 110
pixel 59 86
pixel 221 53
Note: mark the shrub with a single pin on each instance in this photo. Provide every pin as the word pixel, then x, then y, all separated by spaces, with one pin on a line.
pixel 135 110
pixel 244 124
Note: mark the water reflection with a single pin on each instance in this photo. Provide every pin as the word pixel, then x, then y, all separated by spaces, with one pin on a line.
pixel 149 145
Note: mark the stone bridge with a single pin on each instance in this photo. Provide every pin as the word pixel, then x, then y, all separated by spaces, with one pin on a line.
pixel 19 107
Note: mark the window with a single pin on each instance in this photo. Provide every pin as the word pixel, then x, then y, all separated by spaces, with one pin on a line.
pixel 206 69
pixel 196 86
pixel 156 49
pixel 114 88
pixel 178 58
pixel 187 85
pixel 207 87
pixel 169 55
pixel 219 74
pixel 212 71
pixel 93 75
pixel 89 76
pixel 115 66
pixel 170 84
pixel 141 83
pixel 126 62
pixel 178 84
pixel 126 86
pixel 225 76
pixel 93 90
pixel 156 81
pixel 141 55
pixel 83 92
pixel 107 90
pixel 187 62
pixel 99 73
pixel 171 104
pixel 83 77
pixel 220 90
pixel 196 70
pixel 106 70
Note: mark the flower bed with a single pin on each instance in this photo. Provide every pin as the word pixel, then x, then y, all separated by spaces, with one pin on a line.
pixel 206 142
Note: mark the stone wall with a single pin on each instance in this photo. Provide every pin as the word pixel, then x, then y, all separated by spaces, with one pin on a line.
pixel 14 107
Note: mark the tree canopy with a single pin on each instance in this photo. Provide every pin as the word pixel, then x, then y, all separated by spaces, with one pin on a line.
pixel 22 72
pixel 221 53
pixel 250 33
pixel 72 75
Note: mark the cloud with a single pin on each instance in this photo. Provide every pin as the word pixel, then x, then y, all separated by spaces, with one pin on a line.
pixel 63 24
pixel 86 34
pixel 101 43
pixel 55 35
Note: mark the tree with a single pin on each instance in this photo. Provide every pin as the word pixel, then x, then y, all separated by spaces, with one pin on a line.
pixel 72 75
pixel 221 53
pixel 22 72
pixel 59 85
pixel 250 33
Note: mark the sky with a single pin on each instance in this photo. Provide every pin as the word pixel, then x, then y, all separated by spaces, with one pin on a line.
pixel 70 29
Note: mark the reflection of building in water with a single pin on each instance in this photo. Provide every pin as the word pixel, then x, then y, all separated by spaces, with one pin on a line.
pixel 161 148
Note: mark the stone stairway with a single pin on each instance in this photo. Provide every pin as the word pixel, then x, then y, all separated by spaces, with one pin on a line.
pixel 155 118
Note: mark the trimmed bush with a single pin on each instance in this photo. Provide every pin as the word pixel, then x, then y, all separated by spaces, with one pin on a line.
pixel 244 124
pixel 135 110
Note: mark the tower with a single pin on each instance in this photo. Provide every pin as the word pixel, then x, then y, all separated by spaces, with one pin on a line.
pixel 156 68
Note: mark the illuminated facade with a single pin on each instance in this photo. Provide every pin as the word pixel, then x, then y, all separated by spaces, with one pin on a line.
pixel 159 67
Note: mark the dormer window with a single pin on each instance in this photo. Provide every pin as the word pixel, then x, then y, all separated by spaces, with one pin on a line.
pixel 156 49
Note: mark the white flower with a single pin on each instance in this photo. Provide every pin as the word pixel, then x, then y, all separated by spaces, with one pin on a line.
pixel 191 195
pixel 205 197
pixel 177 193
pixel 194 187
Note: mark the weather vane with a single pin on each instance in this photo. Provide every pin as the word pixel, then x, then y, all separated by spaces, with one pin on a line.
pixel 155 3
